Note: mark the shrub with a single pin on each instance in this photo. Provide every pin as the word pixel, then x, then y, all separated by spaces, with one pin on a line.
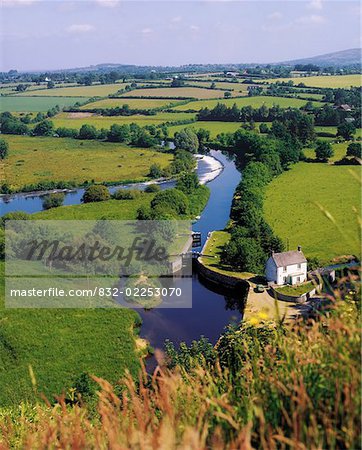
pixel 96 193
pixel 152 188
pixel 53 200
pixel 188 182
pixel 88 132
pixel 126 194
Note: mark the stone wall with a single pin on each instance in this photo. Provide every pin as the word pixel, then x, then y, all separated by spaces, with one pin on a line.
pixel 290 298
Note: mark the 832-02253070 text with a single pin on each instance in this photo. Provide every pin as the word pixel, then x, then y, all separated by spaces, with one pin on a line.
pixel 98 292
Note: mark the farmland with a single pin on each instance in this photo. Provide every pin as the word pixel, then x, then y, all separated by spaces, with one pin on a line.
pixel 317 205
pixel 35 104
pixel 191 92
pixel 97 90
pixel 133 103
pixel 77 120
pixel 255 102
pixel 215 128
pixel 333 81
pixel 33 160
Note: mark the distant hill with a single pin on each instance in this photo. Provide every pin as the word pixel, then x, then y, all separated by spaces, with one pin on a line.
pixel 350 57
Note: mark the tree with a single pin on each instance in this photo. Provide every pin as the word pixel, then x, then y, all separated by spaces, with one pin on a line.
pixel 245 254
pixel 4 149
pixel 354 149
pixel 88 132
pixel 96 193
pixel 21 87
pixel 171 201
pixel 53 200
pixel 155 171
pixel 346 130
pixel 50 85
pixel 176 82
pixel 186 139
pixel 213 85
pixel 152 188
pixel 227 94
pixel 323 150
pixel 188 182
pixel 263 128
pixel 119 133
pixel 44 128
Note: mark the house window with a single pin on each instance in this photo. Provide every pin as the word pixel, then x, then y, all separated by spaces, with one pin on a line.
pixel 299 266
pixel 298 279
pixel 284 279
pixel 284 268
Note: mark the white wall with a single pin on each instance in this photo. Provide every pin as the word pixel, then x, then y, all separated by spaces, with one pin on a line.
pixel 283 275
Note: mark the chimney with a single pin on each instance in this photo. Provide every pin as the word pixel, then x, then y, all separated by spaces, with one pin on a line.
pixel 299 248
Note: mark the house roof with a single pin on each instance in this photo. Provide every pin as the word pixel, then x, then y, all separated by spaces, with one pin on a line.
pixel 289 258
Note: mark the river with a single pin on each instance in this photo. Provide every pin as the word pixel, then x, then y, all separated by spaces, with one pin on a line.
pixel 211 311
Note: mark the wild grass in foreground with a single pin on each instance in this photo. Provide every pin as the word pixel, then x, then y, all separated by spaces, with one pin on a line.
pixel 267 386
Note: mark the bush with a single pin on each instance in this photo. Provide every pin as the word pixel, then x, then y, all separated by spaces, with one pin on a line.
pixel 126 194
pixel 263 128
pixel 53 200
pixel 88 132
pixel 152 188
pixel 96 193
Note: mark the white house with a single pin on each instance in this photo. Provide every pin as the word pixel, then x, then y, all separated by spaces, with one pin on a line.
pixel 287 267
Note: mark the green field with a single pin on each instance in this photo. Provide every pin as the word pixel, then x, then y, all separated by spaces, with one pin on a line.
pixel 333 130
pixel 133 103
pixel 215 128
pixel 97 90
pixel 111 209
pixel 32 160
pixel 76 120
pixel 255 102
pixel 176 92
pixel 35 104
pixel 317 206
pixel 334 81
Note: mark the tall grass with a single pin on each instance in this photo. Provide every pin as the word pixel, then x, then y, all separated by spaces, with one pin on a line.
pixel 272 386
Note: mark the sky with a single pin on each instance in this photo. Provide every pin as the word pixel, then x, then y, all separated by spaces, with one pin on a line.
pixel 59 34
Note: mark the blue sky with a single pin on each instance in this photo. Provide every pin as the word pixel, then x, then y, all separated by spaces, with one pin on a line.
pixel 59 34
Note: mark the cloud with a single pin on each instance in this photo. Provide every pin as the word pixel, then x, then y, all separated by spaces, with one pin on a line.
pixel 315 4
pixel 176 19
pixel 194 28
pixel 108 3
pixel 275 16
pixel 80 28
pixel 310 20
pixel 147 31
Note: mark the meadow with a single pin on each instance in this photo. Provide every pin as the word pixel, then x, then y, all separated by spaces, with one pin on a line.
pixel 192 92
pixel 333 81
pixel 317 206
pixel 96 90
pixel 215 128
pixel 255 102
pixel 36 104
pixel 33 160
pixel 133 103
pixel 70 120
